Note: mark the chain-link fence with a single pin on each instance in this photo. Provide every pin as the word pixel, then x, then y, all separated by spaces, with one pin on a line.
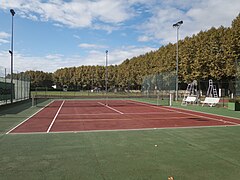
pixel 158 87
pixel 15 88
pixel 228 90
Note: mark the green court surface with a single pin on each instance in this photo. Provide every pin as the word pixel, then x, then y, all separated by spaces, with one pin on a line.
pixel 186 153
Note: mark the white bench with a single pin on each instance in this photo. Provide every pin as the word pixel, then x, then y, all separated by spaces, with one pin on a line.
pixel 189 99
pixel 210 101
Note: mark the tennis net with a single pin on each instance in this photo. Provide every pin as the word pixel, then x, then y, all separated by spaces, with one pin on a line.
pixel 53 101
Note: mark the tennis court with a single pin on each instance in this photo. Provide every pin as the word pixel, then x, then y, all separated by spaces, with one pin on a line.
pixel 113 115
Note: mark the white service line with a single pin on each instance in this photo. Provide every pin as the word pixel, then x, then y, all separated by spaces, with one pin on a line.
pixel 114 119
pixel 104 114
pixel 55 117
pixel 28 118
pixel 111 108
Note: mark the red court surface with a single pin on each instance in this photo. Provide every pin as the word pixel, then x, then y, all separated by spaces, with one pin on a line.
pixel 93 115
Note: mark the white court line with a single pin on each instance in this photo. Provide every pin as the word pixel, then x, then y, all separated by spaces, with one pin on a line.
pixel 104 114
pixel 119 130
pixel 125 119
pixel 207 113
pixel 97 114
pixel 220 120
pixel 143 129
pixel 55 117
pixel 111 108
pixel 28 118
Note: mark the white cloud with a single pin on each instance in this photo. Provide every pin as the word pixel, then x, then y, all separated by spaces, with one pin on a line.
pixel 4 37
pixel 159 26
pixel 22 62
pixel 109 14
pixel 76 36
pixel 54 56
pixel 214 13
pixel 144 38
pixel 58 25
pixel 28 16
pixel 52 62
pixel 108 28
pixel 73 13
pixel 90 46
pixel 110 11
pixel 197 15
pixel 3 41
pixel 116 56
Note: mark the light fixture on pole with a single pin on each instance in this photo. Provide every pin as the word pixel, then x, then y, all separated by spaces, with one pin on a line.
pixel 11 53
pixel 177 25
pixel 106 77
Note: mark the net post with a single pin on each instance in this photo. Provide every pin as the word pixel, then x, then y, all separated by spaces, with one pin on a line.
pixel 106 78
pixel 170 99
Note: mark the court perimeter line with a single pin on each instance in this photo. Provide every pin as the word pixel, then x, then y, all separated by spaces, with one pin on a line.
pixel 178 111
pixel 119 130
pixel 28 118
pixel 55 117
pixel 220 120
pixel 111 108
pixel 206 113
pixel 144 129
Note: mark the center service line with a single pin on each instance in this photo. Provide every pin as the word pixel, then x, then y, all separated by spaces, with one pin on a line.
pixel 55 117
pixel 111 108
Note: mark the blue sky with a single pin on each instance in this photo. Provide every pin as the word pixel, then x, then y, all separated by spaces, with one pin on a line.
pixel 51 34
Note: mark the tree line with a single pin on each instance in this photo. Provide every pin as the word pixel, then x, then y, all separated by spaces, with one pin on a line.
pixel 212 54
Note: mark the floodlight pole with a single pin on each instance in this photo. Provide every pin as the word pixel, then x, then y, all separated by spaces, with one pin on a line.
pixel 11 53
pixel 177 25
pixel 106 76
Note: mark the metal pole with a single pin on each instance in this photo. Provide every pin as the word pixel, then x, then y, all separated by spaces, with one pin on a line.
pixel 177 25
pixel 11 52
pixel 177 66
pixel 6 91
pixel 106 77
pixel 16 86
pixel 21 86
